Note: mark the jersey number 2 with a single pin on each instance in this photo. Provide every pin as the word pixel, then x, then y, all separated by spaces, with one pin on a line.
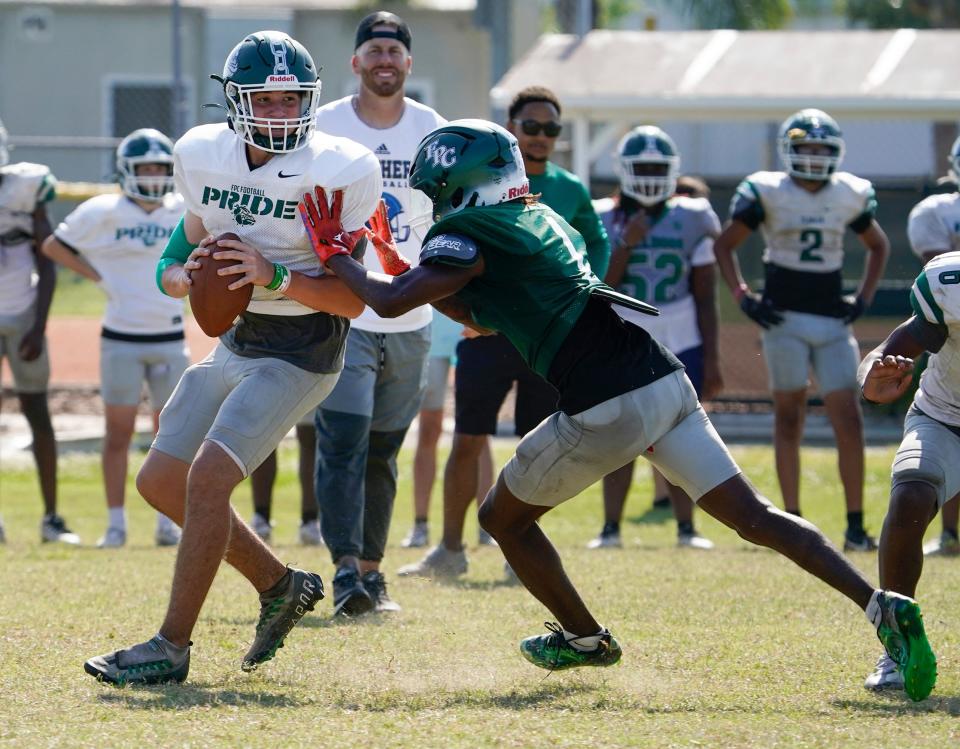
pixel 813 238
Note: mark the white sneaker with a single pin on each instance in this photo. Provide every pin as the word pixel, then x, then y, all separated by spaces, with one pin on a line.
pixel 945 546
pixel 53 529
pixel 114 538
pixel 418 536
pixel 606 541
pixel 439 563
pixel 262 527
pixel 694 541
pixel 167 534
pixel 485 539
pixel 886 675
pixel 310 533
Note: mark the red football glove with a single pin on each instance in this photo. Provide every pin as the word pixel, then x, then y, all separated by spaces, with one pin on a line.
pixel 382 238
pixel 322 222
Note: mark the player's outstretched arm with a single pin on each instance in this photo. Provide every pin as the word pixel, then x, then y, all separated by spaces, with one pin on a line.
pixel 885 373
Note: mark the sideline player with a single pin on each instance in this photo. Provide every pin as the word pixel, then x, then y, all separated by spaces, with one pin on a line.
pixel 498 260
pixel 362 424
pixel 933 229
pixel 116 241
pixel 25 190
pixel 926 469
pixel 662 255
pixel 282 357
pixel 806 320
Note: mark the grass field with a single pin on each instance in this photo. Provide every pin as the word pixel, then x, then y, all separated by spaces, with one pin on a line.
pixel 734 648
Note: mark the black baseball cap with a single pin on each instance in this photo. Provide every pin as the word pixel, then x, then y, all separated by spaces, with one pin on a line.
pixel 365 31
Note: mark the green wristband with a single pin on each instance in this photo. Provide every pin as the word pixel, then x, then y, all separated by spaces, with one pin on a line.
pixel 278 275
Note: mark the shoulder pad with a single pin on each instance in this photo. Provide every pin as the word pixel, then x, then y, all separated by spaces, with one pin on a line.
pixel 766 180
pixel 855 184
pixel 451 249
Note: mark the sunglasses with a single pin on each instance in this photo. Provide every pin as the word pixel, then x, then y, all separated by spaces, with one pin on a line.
pixel 533 127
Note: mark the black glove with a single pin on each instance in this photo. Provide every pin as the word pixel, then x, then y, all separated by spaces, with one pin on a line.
pixel 760 310
pixel 851 307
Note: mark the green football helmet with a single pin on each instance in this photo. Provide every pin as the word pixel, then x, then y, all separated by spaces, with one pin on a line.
pixel 145 146
pixel 648 164
pixel 4 151
pixel 468 163
pixel 270 61
pixel 810 127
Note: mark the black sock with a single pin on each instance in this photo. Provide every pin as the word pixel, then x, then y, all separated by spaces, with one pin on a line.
pixel 952 532
pixel 685 528
pixel 610 528
pixel 855 522
pixel 418 520
pixel 265 514
pixel 308 517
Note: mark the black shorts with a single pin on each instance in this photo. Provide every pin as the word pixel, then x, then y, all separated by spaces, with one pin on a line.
pixel 486 368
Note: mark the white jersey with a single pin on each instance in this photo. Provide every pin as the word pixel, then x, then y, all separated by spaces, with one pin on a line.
pixel 935 297
pixel 23 187
pixel 934 225
pixel 803 230
pixel 395 147
pixel 260 205
pixel 123 243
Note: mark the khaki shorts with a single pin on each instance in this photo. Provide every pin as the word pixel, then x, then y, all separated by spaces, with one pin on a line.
pixel 28 376
pixel 126 365
pixel 803 340
pixel 929 453
pixel 244 405
pixel 662 421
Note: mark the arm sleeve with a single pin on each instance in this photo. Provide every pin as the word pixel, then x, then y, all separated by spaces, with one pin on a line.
pixel 863 221
pixel 178 249
pixel 926 232
pixel 745 206
pixel 587 222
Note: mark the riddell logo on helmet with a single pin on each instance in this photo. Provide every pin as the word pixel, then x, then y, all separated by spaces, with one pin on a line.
pixel 517 192
pixel 281 79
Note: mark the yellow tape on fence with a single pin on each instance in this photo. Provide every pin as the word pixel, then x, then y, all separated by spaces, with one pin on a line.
pixel 84 190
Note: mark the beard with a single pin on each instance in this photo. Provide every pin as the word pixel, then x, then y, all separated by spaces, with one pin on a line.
pixel 383 87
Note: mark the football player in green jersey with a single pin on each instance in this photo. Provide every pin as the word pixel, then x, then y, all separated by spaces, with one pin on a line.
pixel 496 259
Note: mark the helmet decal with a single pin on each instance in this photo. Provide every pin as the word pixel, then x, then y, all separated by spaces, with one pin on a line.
pixel 441 155
pixel 279 58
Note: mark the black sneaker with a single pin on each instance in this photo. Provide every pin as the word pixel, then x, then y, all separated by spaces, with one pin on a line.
pixel 858 540
pixel 350 598
pixel 280 613
pixel 150 662
pixel 376 586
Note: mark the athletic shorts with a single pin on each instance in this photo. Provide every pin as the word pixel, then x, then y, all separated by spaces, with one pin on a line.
pixel 244 405
pixel 486 369
pixel 803 340
pixel 662 421
pixel 126 365
pixel 438 371
pixel 930 453
pixel 28 376
pixel 383 377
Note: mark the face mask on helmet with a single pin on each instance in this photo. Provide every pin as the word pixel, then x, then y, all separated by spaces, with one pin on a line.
pixel 270 62
pixel 810 145
pixel 4 151
pixel 468 163
pixel 648 165
pixel 136 151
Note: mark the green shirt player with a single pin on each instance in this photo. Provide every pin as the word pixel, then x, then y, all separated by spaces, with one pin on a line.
pixel 496 259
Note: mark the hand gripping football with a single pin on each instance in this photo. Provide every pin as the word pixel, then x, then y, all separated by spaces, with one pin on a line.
pixel 214 306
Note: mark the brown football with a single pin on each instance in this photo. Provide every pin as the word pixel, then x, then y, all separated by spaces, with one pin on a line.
pixel 214 306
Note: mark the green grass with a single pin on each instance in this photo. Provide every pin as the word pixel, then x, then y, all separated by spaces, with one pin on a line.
pixel 735 648
pixel 75 296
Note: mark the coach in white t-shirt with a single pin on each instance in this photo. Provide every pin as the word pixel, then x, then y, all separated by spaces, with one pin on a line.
pixel 362 423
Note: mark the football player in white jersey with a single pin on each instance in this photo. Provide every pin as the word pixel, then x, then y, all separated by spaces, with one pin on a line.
pixel 804 212
pixel 116 240
pixel 278 361
pixel 663 255
pixel 361 426
pixel 926 469
pixel 933 229
pixel 27 279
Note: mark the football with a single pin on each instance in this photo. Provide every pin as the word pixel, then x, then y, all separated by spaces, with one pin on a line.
pixel 214 306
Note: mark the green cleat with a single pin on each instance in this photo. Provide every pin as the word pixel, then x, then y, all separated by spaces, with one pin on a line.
pixel 555 653
pixel 901 631
pixel 155 661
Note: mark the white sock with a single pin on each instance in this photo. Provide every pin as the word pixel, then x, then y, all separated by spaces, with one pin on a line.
pixel 873 612
pixel 584 643
pixel 117 518
pixel 163 522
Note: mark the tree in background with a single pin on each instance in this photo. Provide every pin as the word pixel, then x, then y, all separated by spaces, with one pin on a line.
pixel 898 14
pixel 739 14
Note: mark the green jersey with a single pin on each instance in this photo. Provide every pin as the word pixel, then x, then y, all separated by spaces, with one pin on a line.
pixel 536 282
